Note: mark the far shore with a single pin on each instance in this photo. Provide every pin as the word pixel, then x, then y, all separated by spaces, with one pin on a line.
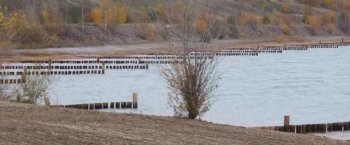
pixel 150 48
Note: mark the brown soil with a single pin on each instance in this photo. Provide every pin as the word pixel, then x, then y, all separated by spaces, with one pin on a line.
pixel 27 124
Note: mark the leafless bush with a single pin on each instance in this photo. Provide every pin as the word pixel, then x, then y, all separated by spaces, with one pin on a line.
pixel 34 89
pixel 192 78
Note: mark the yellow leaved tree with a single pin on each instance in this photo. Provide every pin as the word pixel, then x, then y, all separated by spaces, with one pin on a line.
pixel 314 23
pixel 15 29
pixel 96 16
pixel 202 25
pixel 160 10
pixel 48 19
pixel 120 11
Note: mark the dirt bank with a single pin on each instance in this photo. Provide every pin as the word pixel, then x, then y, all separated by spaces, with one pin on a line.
pixel 26 124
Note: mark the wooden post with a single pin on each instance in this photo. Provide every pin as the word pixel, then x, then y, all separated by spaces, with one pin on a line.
pixel 134 100
pixel 50 67
pixel 47 101
pixel 24 75
pixel 286 120
pixel 103 68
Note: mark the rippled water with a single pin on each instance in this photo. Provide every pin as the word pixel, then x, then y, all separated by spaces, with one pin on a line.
pixel 311 86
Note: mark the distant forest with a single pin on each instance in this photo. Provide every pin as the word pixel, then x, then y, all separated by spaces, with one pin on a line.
pixel 26 24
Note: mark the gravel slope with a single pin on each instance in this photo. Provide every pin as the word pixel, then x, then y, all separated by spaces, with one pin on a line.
pixel 26 124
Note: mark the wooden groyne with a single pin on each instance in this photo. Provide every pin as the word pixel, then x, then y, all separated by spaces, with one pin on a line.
pixel 310 128
pixel 237 53
pixel 105 105
pixel 99 65
pixel 166 59
pixel 10 81
pixel 44 66
pixel 286 47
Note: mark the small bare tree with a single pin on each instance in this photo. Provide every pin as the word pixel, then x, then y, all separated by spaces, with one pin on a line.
pixel 192 77
pixel 34 88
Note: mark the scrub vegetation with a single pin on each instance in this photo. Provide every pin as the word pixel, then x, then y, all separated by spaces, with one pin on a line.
pixel 27 24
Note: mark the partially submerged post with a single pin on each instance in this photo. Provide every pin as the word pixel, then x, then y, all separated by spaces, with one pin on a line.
pixel 47 101
pixel 50 67
pixel 24 75
pixel 103 68
pixel 286 121
pixel 134 100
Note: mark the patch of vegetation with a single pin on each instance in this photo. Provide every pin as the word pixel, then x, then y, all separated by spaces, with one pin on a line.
pixel 37 24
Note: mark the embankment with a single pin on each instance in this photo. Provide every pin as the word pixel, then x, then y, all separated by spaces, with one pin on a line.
pixel 27 124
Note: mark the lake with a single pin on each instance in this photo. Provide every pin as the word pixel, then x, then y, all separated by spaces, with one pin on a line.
pixel 311 86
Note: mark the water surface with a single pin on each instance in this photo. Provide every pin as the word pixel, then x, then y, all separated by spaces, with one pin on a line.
pixel 311 86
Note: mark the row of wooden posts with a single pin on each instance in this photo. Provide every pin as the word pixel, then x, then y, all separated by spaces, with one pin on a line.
pixel 233 52
pixel 75 67
pixel 156 59
pixel 309 128
pixel 56 68
pixel 106 105
pixel 68 70
pixel 26 72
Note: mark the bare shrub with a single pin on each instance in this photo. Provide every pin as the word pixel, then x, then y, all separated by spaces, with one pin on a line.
pixel 192 78
pixel 34 89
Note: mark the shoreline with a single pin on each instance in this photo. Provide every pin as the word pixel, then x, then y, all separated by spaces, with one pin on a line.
pixel 154 48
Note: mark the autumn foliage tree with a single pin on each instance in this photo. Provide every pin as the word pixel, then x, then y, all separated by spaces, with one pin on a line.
pixel 48 19
pixel 202 25
pixel 106 14
pixel 285 7
pixel 313 22
pixel 120 12
pixel 160 10
pixel 16 29
pixel 285 29
pixel 96 16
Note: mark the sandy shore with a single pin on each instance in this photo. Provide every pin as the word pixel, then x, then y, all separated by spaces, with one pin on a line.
pixel 27 124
